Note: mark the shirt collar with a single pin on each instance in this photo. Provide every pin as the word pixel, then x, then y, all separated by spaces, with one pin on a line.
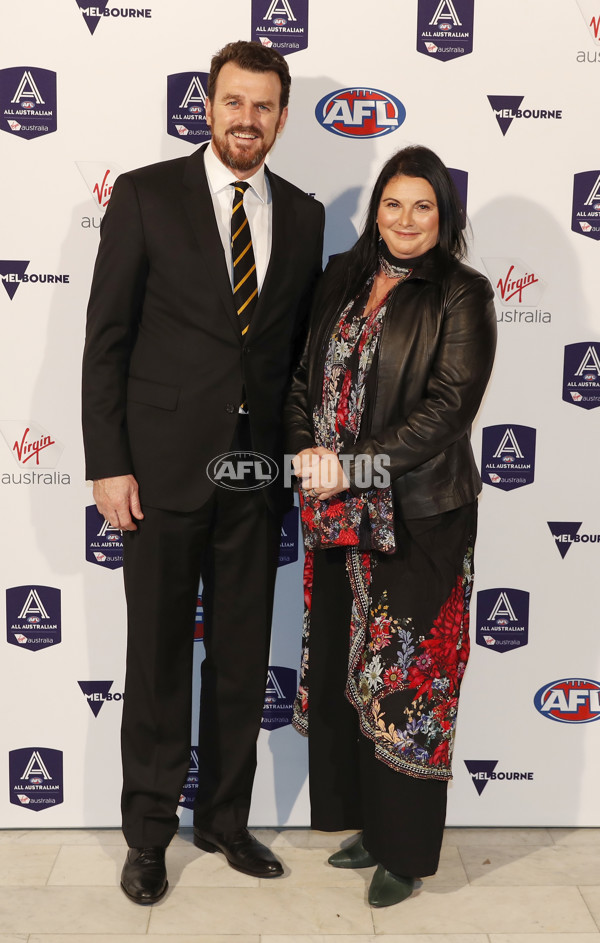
pixel 220 177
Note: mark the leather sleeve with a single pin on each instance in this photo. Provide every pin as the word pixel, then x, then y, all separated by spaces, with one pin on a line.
pixel 114 308
pixel 455 387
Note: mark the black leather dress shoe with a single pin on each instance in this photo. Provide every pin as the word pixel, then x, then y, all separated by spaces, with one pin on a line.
pixel 243 852
pixel 144 875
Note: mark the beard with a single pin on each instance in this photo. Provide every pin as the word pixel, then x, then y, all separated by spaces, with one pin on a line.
pixel 242 161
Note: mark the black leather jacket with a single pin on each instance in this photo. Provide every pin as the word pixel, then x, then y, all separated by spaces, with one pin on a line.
pixel 435 357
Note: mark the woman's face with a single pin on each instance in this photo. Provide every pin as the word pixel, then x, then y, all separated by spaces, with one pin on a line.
pixel 408 217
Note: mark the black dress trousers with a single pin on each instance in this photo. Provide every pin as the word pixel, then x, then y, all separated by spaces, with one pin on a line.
pixel 231 542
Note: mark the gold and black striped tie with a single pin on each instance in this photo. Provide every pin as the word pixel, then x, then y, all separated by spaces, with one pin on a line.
pixel 245 284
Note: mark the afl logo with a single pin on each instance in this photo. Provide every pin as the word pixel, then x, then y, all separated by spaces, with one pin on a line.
pixel 569 701
pixel 242 471
pixel 360 113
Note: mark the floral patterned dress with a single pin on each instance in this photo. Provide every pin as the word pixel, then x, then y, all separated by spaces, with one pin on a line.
pixel 408 638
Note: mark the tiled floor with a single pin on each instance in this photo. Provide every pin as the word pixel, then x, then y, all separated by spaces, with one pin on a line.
pixel 493 886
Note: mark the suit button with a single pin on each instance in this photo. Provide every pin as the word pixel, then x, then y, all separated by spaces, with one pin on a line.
pixel 246 350
pixel 230 408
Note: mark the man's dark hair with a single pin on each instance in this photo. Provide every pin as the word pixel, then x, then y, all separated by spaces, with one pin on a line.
pixel 254 57
pixel 412 161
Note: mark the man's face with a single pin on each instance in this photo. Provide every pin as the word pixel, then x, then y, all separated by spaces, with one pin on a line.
pixel 244 117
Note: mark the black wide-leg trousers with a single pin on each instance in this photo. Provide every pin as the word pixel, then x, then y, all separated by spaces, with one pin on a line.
pixel 401 818
pixel 232 543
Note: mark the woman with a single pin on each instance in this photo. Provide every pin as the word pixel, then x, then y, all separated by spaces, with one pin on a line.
pixel 401 348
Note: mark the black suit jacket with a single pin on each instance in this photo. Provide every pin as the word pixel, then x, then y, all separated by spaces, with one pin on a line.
pixel 164 360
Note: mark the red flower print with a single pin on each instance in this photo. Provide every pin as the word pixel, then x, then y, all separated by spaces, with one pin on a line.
pixel 447 647
pixel 440 757
pixel 308 578
pixel 392 678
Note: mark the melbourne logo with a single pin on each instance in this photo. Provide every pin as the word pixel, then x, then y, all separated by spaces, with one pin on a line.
pixel 14 273
pixel 242 471
pixel 360 113
pixel 281 24
pixel 502 619
pixel 186 106
pixel 33 620
pixel 569 701
pixel 566 533
pixel 30 444
pixel 585 216
pixel 445 28
pixel 190 788
pixel 288 547
pixel 484 771
pixel 508 456
pixel 98 693
pixel 94 13
pixel 28 101
pixel 36 778
pixel 581 375
pixel 103 543
pixel 508 107
pixel 280 693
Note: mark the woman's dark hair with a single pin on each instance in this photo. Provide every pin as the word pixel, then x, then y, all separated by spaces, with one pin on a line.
pixel 254 57
pixel 413 161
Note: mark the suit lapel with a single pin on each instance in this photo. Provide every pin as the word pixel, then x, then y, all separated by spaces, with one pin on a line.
pixel 199 208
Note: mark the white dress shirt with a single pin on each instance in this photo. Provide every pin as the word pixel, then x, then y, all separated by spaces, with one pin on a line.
pixel 257 204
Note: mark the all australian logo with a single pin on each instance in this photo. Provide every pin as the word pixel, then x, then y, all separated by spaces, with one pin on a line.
pixel 567 533
pixel 502 619
pixel 445 28
pixel 585 215
pixel 33 617
pixel 190 787
pixel 95 12
pixel 581 375
pixel 35 450
pixel 519 289
pixel 508 456
pixel 288 546
pixel 186 106
pixel 99 177
pixel 281 24
pixel 28 107
pixel 483 772
pixel 507 108
pixel 14 273
pixel 360 112
pixel 280 693
pixel 569 700
pixel 103 543
pixel 36 778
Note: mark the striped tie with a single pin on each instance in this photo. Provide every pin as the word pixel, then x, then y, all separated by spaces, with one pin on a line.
pixel 245 285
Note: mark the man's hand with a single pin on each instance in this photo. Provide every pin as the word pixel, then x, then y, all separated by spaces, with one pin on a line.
pixel 118 500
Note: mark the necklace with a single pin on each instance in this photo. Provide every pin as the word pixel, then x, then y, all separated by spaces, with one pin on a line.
pixel 393 271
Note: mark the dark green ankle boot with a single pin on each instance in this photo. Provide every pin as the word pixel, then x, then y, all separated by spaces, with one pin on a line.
pixel 353 855
pixel 387 888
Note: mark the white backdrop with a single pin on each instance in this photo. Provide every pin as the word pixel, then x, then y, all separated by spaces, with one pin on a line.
pixel 516 763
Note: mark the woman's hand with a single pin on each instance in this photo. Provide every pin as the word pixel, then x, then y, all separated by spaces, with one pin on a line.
pixel 320 472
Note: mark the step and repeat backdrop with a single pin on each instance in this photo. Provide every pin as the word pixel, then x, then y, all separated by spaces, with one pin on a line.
pixel 507 93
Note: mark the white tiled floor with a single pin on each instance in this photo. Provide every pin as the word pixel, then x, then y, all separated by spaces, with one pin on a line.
pixel 493 886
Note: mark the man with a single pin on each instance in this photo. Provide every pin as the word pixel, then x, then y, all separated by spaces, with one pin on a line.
pixel 174 376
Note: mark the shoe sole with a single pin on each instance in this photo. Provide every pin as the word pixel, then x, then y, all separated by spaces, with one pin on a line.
pixel 146 900
pixel 208 846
